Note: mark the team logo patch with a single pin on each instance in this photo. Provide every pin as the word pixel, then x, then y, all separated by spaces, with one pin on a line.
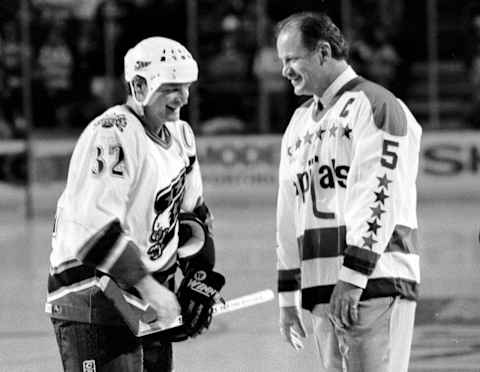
pixel 89 366
pixel 120 121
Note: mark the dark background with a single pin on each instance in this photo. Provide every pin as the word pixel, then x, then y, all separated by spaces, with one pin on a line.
pixel 426 51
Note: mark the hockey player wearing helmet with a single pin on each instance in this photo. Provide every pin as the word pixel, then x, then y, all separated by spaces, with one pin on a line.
pixel 132 171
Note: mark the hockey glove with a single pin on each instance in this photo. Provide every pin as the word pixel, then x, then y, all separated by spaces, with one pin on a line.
pixel 196 295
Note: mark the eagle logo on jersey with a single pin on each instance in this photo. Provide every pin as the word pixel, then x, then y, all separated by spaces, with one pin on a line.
pixel 167 207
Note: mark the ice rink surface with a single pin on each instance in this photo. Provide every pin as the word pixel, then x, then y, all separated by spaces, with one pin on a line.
pixel 447 334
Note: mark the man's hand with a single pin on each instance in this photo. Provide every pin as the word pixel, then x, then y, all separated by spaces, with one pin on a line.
pixel 291 326
pixel 197 293
pixel 160 298
pixel 344 304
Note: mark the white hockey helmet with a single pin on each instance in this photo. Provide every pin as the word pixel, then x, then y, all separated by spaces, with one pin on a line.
pixel 159 60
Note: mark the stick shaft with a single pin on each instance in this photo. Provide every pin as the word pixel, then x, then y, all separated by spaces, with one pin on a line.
pixel 238 303
pixel 235 304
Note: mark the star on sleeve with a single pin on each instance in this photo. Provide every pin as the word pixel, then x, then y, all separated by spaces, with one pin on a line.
pixel 380 197
pixel 383 181
pixel 377 211
pixel 368 241
pixel 347 131
pixel 307 138
pixel 373 226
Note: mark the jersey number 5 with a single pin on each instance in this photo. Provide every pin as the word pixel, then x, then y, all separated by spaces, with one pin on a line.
pixel 389 156
pixel 116 159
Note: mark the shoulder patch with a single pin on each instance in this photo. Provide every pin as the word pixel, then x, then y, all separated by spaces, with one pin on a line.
pixel 111 120
pixel 388 114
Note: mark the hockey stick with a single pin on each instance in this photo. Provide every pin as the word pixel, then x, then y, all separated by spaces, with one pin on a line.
pixel 241 302
pixel 135 311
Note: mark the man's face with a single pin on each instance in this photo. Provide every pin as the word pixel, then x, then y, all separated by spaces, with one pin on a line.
pixel 299 65
pixel 167 101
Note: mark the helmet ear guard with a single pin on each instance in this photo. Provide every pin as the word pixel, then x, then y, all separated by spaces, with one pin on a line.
pixel 158 60
pixel 138 88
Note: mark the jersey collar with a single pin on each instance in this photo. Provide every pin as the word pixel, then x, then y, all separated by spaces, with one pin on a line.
pixel 163 137
pixel 337 84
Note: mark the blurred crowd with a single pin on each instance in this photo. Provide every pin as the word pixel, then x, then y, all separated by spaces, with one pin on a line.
pixel 77 50
pixel 472 62
pixel 76 56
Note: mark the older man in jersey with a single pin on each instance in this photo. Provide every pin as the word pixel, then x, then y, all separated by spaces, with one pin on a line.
pixel 133 169
pixel 346 211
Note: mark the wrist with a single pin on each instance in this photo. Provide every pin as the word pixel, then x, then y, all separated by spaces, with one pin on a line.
pixel 145 284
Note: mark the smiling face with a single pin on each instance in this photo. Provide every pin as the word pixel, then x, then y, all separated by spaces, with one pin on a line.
pixel 166 103
pixel 302 67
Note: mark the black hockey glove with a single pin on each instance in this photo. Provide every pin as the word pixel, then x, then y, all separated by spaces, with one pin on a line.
pixel 196 295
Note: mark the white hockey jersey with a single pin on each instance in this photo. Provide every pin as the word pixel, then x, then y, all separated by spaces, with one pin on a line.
pixel 119 210
pixel 346 205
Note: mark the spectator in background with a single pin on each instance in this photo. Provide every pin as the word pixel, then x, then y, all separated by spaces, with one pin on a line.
pixel 375 57
pixel 230 63
pixel 11 54
pixel 240 21
pixel 5 126
pixel 55 64
pixel 85 105
pixel 473 66
pixel 238 26
pixel 112 34
pixel 228 76
pixel 113 27
pixel 273 87
pixel 5 129
pixel 11 66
